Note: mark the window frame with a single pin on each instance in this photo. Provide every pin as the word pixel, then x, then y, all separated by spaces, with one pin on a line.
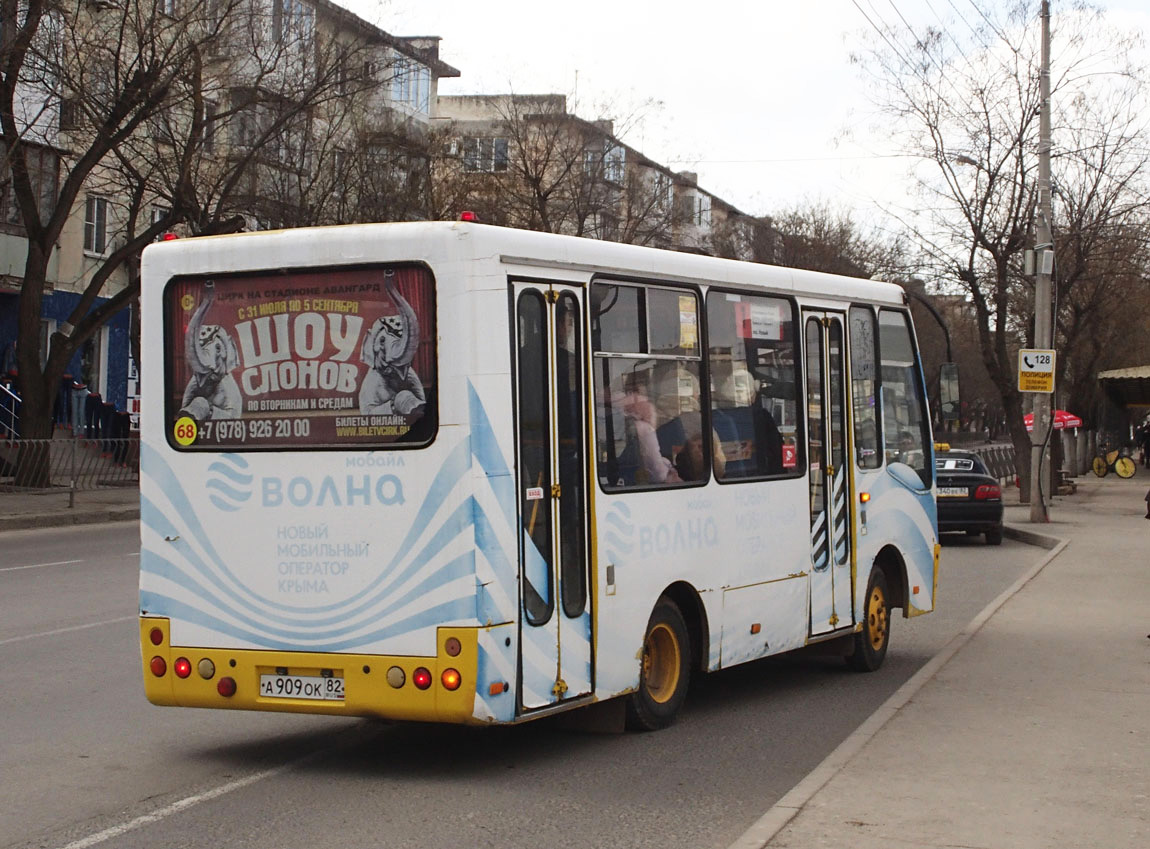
pixel 210 128
pixel 44 174
pixel 703 210
pixel 96 207
pixel 485 154
pixel 293 21
pixel 411 84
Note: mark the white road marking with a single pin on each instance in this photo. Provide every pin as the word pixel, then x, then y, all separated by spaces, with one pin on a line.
pixel 181 805
pixel 40 565
pixel 35 636
pixel 345 739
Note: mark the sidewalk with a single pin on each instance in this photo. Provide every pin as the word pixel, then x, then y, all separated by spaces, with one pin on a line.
pixel 19 510
pixel 1031 729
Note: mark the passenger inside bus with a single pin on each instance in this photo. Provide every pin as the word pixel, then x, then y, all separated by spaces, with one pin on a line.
pixel 678 404
pixel 641 461
pixel 751 439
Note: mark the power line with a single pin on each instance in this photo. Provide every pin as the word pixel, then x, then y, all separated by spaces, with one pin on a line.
pixel 882 34
pixel 943 75
pixel 785 159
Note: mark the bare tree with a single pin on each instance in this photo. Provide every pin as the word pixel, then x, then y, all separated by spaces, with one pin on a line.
pixel 76 82
pixel 529 161
pixel 821 238
pixel 647 208
pixel 229 113
pixel 968 111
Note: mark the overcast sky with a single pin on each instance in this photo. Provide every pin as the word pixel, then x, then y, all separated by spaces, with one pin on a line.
pixel 759 98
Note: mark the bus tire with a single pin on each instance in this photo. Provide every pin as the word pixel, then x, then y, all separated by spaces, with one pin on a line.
pixel 871 642
pixel 665 670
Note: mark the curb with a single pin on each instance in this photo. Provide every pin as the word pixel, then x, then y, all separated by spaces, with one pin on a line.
pixel 68 518
pixel 1030 537
pixel 768 826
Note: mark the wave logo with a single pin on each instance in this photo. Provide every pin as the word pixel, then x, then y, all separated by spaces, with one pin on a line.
pixel 619 532
pixel 230 482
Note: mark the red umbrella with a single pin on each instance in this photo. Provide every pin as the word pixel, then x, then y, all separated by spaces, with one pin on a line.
pixel 1061 419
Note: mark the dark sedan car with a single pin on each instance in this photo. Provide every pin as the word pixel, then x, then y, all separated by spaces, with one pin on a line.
pixel 969 499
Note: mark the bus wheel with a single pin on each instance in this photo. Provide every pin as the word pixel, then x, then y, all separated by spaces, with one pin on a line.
pixel 871 642
pixel 665 671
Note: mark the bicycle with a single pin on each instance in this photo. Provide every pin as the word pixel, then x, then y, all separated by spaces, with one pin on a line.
pixel 1118 460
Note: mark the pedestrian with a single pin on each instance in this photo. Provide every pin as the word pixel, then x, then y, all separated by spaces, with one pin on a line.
pixel 1148 504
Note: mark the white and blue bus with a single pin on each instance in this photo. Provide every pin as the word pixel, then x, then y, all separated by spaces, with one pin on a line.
pixel 462 473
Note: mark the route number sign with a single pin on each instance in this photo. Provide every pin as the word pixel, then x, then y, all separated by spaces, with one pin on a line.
pixel 1036 370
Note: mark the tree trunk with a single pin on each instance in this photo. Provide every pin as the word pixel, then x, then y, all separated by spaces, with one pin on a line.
pixel 1020 438
pixel 36 399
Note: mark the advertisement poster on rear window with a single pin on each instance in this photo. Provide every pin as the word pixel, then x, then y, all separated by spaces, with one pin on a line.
pixel 308 359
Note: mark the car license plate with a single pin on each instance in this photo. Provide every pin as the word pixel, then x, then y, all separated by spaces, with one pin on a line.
pixel 312 687
pixel 953 492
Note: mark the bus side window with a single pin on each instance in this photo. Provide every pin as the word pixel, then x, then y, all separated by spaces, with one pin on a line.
pixel 751 352
pixel 905 427
pixel 648 405
pixel 864 385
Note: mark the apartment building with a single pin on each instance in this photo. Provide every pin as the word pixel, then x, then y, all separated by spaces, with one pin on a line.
pixel 526 161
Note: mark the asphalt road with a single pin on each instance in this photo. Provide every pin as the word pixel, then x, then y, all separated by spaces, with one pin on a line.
pixel 86 761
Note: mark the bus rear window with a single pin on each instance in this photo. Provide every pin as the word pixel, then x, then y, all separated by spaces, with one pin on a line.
pixel 311 359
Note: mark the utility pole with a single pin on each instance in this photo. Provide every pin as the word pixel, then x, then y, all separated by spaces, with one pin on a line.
pixel 1044 267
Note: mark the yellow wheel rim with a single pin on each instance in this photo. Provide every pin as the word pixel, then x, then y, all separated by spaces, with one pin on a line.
pixel 876 619
pixel 661 663
pixel 1125 467
pixel 1099 466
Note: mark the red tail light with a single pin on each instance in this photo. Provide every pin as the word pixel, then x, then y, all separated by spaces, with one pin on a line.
pixel 182 667
pixel 158 666
pixel 226 687
pixel 156 636
pixel 421 678
pixel 988 492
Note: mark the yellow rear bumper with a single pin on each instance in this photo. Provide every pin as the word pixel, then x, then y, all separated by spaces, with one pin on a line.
pixel 367 691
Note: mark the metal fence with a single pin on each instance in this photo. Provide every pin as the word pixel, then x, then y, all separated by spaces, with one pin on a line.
pixel 68 464
pixel 999 460
pixel 9 405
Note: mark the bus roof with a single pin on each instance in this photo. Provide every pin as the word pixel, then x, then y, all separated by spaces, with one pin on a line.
pixel 518 250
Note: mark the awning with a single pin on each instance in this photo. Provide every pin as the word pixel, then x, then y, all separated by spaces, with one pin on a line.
pixel 1127 387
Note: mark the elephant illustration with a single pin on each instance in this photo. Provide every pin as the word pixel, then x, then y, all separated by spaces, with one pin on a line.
pixel 211 354
pixel 391 385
